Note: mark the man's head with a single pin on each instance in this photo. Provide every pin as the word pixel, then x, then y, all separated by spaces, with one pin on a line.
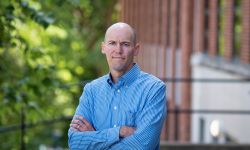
pixel 122 25
pixel 120 47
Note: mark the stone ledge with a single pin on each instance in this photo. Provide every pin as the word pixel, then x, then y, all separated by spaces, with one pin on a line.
pixel 220 63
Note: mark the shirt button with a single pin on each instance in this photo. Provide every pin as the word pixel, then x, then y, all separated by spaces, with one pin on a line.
pixel 115 108
pixel 118 91
pixel 115 125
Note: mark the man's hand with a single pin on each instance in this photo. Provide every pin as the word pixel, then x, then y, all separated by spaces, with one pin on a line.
pixel 126 131
pixel 81 124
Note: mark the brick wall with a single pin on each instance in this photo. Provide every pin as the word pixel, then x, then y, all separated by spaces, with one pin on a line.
pixel 245 36
pixel 229 29
pixel 199 25
pixel 213 28
pixel 187 26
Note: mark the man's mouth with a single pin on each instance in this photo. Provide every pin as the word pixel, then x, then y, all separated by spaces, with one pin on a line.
pixel 114 57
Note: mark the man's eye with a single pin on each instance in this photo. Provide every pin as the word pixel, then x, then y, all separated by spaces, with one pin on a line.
pixel 111 43
pixel 126 44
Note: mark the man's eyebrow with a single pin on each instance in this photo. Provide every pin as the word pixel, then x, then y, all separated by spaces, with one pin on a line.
pixel 110 41
pixel 117 41
pixel 126 42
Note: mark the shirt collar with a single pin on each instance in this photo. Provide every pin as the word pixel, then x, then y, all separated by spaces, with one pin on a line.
pixel 128 78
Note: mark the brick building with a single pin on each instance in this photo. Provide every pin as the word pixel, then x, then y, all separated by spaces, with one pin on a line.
pixel 190 39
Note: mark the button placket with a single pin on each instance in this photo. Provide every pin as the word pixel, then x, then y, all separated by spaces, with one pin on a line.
pixel 115 107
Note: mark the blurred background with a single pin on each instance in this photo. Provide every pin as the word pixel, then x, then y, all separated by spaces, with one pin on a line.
pixel 200 48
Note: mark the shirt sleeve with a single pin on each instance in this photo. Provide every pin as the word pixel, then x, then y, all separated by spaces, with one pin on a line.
pixel 90 139
pixel 149 123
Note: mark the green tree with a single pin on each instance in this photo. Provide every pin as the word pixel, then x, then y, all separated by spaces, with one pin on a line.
pixel 46 49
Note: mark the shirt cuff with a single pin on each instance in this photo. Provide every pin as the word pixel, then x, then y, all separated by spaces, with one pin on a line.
pixel 113 134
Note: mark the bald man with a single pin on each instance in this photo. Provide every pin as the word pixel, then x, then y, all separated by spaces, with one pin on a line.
pixel 124 109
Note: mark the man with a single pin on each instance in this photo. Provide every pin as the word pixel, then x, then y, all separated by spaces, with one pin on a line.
pixel 124 109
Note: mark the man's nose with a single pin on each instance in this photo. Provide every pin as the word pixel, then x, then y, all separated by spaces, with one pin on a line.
pixel 118 48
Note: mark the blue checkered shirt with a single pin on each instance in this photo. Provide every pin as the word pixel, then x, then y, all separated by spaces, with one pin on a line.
pixel 138 99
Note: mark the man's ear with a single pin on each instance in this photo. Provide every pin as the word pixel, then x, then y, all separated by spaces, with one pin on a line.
pixel 136 49
pixel 103 47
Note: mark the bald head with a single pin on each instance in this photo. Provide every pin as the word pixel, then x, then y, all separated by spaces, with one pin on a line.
pixel 121 25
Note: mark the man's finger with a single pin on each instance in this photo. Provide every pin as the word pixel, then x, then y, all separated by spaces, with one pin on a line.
pixel 126 131
pixel 85 121
pixel 77 121
pixel 74 127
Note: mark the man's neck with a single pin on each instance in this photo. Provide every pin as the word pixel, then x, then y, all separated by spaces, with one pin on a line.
pixel 117 74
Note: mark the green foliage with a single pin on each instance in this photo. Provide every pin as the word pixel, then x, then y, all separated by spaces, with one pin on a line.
pixel 46 49
pixel 221 38
pixel 237 26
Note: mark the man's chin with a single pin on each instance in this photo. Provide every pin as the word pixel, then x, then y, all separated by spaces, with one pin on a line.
pixel 118 68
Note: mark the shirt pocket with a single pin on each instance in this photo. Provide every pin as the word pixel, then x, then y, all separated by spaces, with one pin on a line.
pixel 128 118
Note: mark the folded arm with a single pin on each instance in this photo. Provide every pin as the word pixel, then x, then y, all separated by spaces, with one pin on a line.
pixel 93 139
pixel 84 135
pixel 149 124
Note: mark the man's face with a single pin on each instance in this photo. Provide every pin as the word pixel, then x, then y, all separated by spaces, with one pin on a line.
pixel 119 49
